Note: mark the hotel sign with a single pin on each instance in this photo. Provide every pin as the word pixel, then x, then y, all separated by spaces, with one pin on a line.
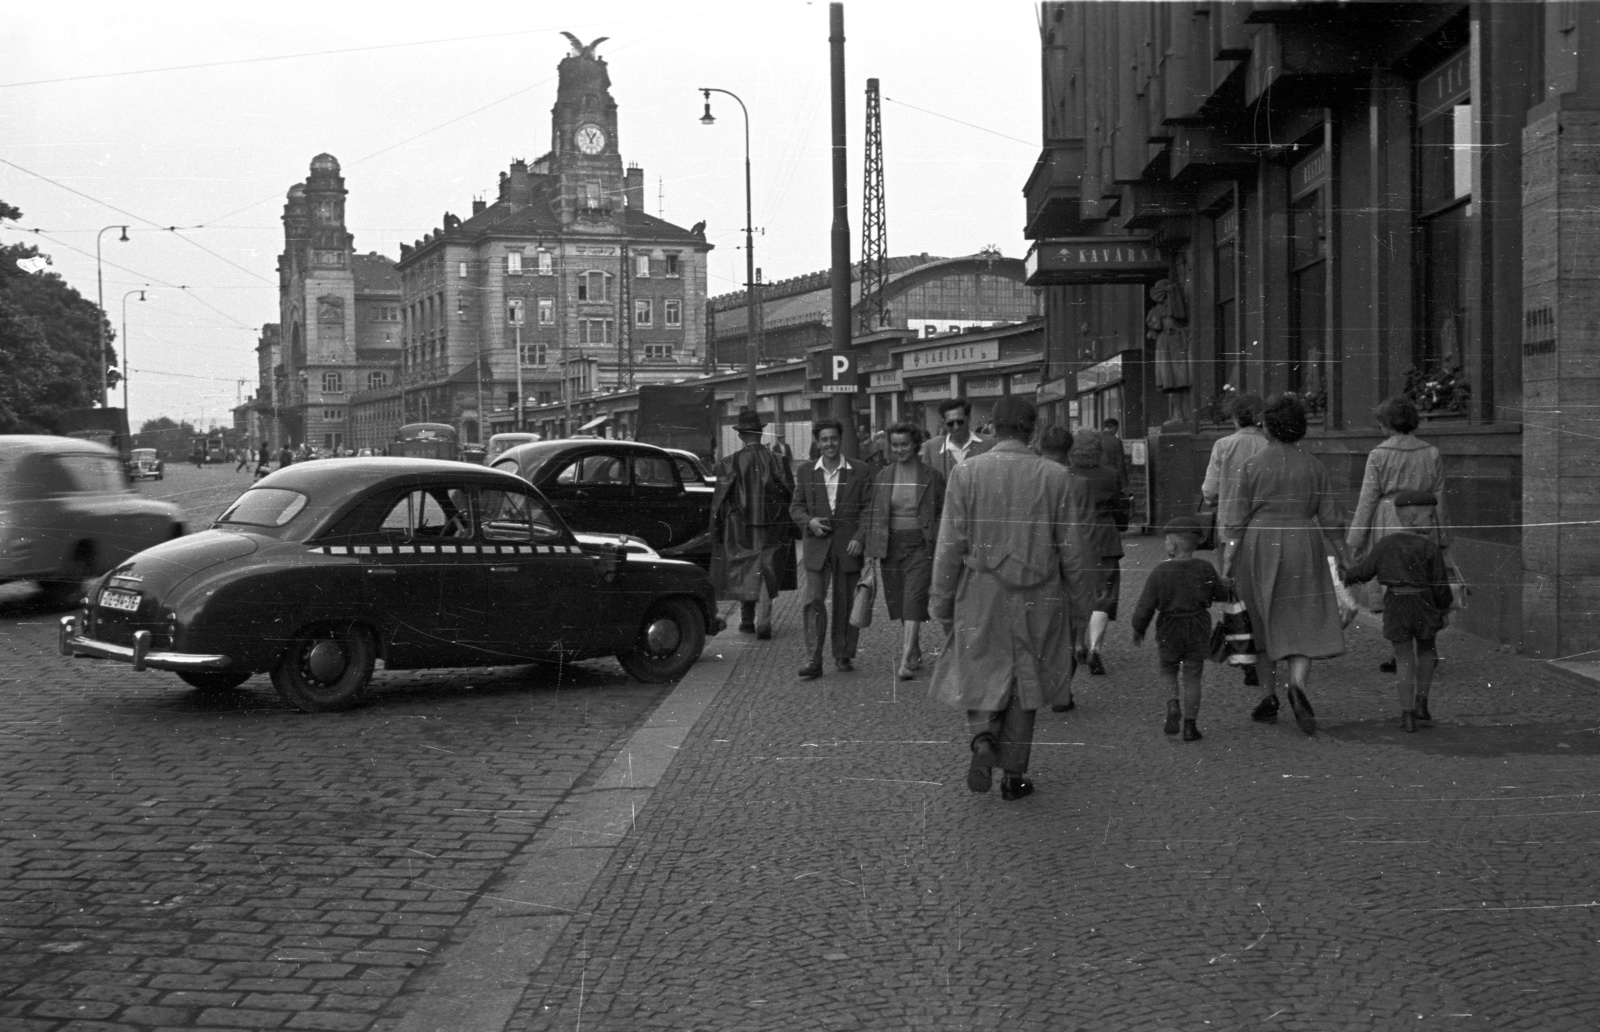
pixel 1066 261
pixel 950 355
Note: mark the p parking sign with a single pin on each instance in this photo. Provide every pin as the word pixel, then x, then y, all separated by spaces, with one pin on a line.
pixel 841 377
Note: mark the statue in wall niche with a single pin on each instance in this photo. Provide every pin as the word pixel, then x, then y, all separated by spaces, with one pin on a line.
pixel 330 309
pixel 1167 324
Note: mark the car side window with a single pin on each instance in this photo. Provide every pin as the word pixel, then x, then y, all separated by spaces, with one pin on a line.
pixel 594 471
pixel 433 514
pixel 93 474
pixel 687 471
pixel 514 516
pixel 653 471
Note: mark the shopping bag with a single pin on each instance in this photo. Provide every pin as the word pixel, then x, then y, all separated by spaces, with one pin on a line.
pixel 866 595
pixel 1459 591
pixel 1348 607
pixel 1233 640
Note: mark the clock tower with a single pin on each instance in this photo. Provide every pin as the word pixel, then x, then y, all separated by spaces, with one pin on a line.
pixel 585 160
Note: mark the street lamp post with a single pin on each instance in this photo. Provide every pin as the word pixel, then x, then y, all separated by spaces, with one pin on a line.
pixel 125 347
pixel 749 246
pixel 100 302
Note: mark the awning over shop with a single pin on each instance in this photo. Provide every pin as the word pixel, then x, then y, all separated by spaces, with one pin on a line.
pixel 1065 261
pixel 594 424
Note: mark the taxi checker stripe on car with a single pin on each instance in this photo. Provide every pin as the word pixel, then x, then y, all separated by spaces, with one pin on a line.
pixel 433 549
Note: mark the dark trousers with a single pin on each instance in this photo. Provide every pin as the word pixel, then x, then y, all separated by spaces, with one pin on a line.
pixel 1012 728
pixel 843 585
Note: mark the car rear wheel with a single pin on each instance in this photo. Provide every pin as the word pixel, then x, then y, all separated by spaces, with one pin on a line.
pixel 214 680
pixel 68 591
pixel 325 668
pixel 669 642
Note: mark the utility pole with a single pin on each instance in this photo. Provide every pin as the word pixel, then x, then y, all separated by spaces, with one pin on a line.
pixel 874 221
pixel 842 406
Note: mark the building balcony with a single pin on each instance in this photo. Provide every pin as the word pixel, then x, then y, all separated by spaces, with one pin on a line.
pixel 1054 191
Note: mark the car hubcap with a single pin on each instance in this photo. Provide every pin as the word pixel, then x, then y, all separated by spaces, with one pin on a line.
pixel 663 637
pixel 325 661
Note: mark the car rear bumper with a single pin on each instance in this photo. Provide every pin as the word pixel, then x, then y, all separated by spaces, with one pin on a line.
pixel 73 644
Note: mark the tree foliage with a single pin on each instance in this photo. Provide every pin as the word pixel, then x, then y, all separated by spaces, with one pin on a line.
pixel 158 423
pixel 49 343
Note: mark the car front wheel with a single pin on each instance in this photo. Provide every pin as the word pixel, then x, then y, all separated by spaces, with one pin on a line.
pixel 669 642
pixel 325 668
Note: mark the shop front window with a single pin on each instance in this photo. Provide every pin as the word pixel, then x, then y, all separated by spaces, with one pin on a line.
pixel 1437 381
pixel 1308 293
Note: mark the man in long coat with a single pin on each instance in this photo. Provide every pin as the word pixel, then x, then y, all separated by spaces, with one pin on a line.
pixel 830 502
pixel 751 536
pixel 1008 582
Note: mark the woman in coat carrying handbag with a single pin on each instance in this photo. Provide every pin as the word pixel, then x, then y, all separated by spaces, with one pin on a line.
pixel 902 527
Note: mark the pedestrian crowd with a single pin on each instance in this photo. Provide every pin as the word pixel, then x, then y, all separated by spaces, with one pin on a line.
pixel 1012 542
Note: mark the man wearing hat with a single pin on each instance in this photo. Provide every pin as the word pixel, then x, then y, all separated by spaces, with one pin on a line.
pixel 1410 565
pixel 751 535
pixel 1008 582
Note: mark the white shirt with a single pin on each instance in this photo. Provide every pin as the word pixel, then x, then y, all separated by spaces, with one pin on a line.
pixel 959 450
pixel 830 479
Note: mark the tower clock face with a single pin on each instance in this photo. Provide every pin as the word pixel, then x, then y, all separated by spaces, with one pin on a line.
pixel 590 138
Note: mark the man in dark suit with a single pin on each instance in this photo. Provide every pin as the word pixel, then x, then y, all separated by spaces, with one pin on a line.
pixel 830 500
pixel 958 442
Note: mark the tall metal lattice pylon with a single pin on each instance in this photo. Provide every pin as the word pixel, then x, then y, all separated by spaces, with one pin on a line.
pixel 874 310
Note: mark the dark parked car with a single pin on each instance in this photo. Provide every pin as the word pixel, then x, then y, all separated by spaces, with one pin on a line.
pixel 323 568
pixel 67 513
pixel 620 487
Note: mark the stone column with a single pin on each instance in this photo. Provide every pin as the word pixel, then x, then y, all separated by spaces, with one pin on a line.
pixel 1561 376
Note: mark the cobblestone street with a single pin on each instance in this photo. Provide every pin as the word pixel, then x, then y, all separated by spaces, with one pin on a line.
pixel 534 851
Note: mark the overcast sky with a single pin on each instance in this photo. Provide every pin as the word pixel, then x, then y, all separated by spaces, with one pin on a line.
pixel 424 104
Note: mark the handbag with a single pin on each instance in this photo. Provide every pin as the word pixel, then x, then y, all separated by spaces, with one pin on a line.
pixel 1233 639
pixel 1459 592
pixel 1208 526
pixel 866 595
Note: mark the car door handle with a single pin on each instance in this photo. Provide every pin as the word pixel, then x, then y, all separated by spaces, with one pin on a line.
pixel 502 569
pixel 380 571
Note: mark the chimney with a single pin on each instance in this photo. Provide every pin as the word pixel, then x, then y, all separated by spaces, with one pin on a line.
pixel 519 191
pixel 478 204
pixel 633 186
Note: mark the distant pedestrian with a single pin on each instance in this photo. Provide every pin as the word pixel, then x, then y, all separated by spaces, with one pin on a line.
pixel 1403 462
pixel 1410 565
pixel 830 499
pixel 1228 456
pixel 285 457
pixel 1280 526
pixel 1092 488
pixel 751 531
pixel 1112 455
pixel 902 529
pixel 263 459
pixel 781 449
pixel 1007 584
pixel 243 456
pixel 958 442
pixel 1181 589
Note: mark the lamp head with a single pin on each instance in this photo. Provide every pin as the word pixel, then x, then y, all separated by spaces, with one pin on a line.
pixel 124 237
pixel 707 119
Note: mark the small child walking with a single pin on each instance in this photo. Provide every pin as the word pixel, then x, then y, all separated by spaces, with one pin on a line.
pixel 1410 565
pixel 1181 589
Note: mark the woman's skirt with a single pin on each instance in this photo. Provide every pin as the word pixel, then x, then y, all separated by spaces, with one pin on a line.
pixel 907 575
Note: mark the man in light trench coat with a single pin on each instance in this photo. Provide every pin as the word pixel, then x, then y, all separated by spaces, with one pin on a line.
pixel 1009 586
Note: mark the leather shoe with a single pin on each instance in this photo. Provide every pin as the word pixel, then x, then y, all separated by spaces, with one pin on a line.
pixel 1015 786
pixel 1065 707
pixel 763 634
pixel 1251 678
pixel 905 673
pixel 811 670
pixel 1303 714
pixel 1408 720
pixel 1421 710
pixel 1174 715
pixel 1388 666
pixel 845 664
pixel 747 628
pixel 980 774
pixel 1266 711
pixel 1190 732
pixel 1095 666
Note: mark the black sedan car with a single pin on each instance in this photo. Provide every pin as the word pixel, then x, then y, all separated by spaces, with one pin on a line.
pixel 323 568
pixel 620 487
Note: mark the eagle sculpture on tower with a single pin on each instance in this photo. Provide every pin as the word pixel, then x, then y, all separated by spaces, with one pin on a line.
pixel 579 50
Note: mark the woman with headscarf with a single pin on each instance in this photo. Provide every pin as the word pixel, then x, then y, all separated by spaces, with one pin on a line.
pixel 1279 525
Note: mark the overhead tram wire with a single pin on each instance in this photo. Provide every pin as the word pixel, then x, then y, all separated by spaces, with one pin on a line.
pixel 969 125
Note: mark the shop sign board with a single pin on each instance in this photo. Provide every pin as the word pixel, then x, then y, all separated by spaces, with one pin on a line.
pixel 1065 261
pixel 1102 374
pixel 890 378
pixel 1051 390
pixel 983 387
pixel 930 392
pixel 951 355
pixel 935 327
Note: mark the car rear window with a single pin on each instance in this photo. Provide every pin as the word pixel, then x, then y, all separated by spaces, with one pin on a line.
pixel 264 507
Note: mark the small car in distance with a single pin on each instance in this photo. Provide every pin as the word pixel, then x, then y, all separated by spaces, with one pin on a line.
pixel 322 569
pixel 608 486
pixel 499 444
pixel 146 465
pixel 68 513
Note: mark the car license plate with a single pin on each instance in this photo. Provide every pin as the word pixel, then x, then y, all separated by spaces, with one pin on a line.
pixel 127 601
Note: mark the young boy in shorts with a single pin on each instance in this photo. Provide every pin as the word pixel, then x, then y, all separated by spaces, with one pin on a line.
pixel 1181 589
pixel 1410 566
